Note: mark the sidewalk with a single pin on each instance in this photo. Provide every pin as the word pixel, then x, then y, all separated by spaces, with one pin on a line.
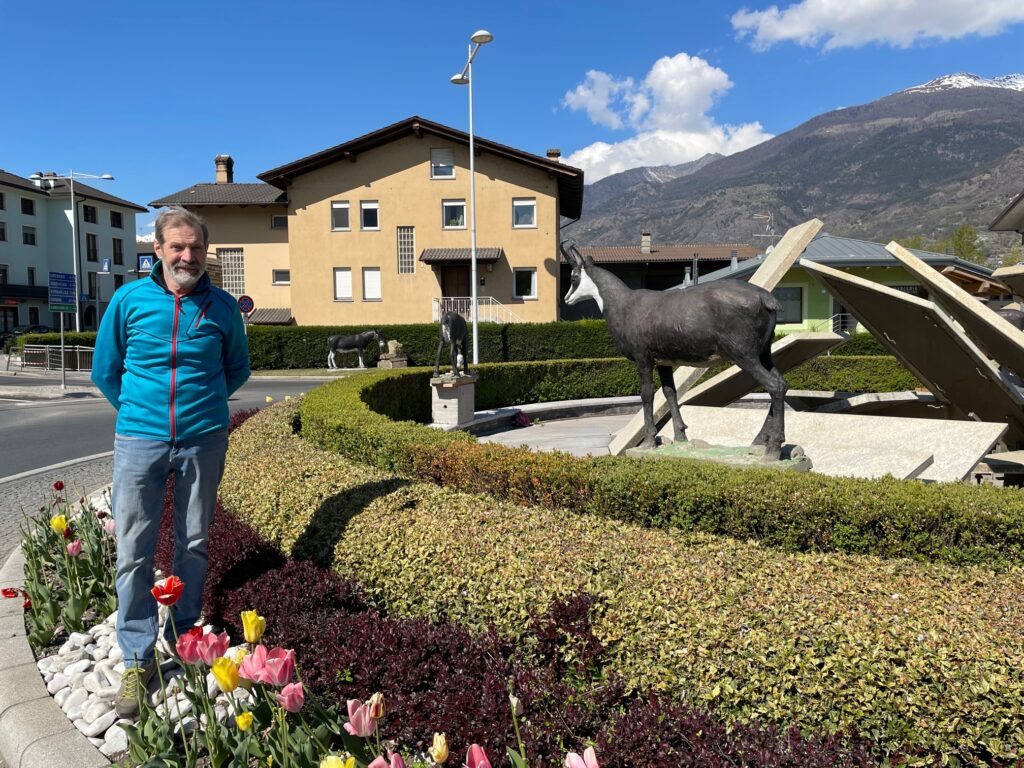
pixel 35 384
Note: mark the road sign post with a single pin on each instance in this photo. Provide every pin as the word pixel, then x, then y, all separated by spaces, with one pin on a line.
pixel 245 306
pixel 62 299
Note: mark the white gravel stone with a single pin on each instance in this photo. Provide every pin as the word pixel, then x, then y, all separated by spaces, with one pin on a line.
pixel 69 657
pixel 56 683
pixel 96 710
pixel 98 652
pixel 115 653
pixel 81 725
pixel 79 639
pixel 107 694
pixel 76 698
pixel 100 725
pixel 65 648
pixel 47 663
pixel 61 696
pixel 116 740
pixel 111 619
pixel 94 681
pixel 96 742
pixel 78 666
pixel 48 676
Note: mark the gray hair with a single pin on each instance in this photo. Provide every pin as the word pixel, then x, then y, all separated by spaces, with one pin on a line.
pixel 177 217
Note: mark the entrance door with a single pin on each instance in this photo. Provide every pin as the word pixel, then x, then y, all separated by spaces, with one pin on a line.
pixel 842 320
pixel 8 318
pixel 455 281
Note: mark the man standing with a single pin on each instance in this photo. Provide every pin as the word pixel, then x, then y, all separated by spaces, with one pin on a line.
pixel 170 351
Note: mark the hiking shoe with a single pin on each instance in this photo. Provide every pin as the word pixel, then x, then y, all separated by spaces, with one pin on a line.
pixel 133 688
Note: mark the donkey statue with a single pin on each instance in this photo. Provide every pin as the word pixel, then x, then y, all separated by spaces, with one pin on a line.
pixel 453 333
pixel 353 343
pixel 703 324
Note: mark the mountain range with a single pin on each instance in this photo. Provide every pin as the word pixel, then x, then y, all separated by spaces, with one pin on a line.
pixel 922 161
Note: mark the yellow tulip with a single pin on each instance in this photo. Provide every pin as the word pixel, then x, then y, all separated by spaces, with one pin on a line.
pixel 59 524
pixel 333 761
pixel 376 705
pixel 226 673
pixel 244 721
pixel 240 655
pixel 270 399
pixel 439 749
pixel 253 626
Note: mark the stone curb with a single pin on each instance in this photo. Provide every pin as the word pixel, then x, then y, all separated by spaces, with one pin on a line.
pixel 34 731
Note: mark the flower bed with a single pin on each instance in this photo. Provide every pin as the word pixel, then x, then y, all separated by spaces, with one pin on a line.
pixel 917 656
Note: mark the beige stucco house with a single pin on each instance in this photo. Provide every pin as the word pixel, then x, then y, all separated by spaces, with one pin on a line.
pixel 377 230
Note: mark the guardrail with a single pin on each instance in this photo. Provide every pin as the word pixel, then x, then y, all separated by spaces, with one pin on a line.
pixel 489 309
pixel 47 357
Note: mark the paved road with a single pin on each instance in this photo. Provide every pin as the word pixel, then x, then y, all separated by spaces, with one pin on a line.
pixel 38 433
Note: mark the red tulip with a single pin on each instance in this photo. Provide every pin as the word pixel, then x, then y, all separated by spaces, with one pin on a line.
pixel 100 514
pixel 11 592
pixel 168 591
pixel 291 697
pixel 27 604
pixel 58 485
pixel 477 758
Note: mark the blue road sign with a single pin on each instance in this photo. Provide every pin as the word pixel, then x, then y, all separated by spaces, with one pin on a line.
pixel 145 263
pixel 105 266
pixel 62 292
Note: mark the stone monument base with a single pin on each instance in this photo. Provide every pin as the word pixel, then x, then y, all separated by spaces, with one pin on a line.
pixel 393 362
pixel 452 399
pixel 793 458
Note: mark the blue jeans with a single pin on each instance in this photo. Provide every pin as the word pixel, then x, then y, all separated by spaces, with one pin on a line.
pixel 141 467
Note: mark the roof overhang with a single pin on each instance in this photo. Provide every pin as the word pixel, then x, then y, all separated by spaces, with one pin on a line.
pixel 460 255
pixel 569 179
pixel 1011 218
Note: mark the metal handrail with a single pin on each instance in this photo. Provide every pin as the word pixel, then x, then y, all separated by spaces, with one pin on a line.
pixel 489 309
pixel 47 357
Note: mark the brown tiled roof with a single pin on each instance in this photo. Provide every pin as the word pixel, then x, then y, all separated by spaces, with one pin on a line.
pixel 627 254
pixel 454 255
pixel 271 316
pixel 225 194
pixel 60 189
pixel 570 180
pixel 10 180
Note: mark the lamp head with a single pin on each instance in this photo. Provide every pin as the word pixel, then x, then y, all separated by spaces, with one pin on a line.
pixel 482 37
pixel 460 78
pixel 35 177
pixel 107 177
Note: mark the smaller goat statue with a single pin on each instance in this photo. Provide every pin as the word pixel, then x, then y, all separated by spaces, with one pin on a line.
pixel 354 343
pixel 703 324
pixel 453 333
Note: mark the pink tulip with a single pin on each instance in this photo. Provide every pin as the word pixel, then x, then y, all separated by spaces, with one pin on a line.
pixel 211 647
pixel 109 526
pixel 291 697
pixel 279 667
pixel 252 665
pixel 75 548
pixel 589 759
pixel 360 723
pixel 188 648
pixel 394 757
pixel 477 758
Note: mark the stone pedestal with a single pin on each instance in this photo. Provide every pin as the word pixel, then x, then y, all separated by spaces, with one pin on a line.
pixel 393 362
pixel 452 399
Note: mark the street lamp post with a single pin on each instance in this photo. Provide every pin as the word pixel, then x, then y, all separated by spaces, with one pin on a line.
pixel 465 77
pixel 70 179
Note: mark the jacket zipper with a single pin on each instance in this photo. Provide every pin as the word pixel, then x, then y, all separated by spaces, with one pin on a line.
pixel 174 358
pixel 202 315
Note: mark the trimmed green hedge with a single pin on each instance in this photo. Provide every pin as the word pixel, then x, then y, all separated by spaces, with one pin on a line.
pixel 949 523
pixel 839 373
pixel 861 344
pixel 914 656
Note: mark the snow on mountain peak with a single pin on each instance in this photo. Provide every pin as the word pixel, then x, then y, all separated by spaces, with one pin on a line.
pixel 1013 82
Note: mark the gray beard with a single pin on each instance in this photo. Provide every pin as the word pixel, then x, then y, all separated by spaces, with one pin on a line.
pixel 186 279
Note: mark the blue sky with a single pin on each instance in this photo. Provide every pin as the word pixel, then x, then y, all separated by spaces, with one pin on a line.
pixel 151 92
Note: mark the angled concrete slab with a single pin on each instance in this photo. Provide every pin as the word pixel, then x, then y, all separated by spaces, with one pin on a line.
pixel 860 446
pixel 775 265
pixel 997 337
pixel 1013 277
pixel 787 353
pixel 935 349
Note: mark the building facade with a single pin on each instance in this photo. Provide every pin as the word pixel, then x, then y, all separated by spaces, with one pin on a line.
pixel 376 231
pixel 36 239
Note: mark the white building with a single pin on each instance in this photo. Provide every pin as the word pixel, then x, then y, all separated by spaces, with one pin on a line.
pixel 35 239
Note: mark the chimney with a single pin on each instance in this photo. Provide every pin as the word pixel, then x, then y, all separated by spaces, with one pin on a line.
pixel 645 241
pixel 225 169
pixel 555 155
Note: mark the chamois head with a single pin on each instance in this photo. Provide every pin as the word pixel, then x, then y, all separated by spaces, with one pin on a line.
pixel 581 286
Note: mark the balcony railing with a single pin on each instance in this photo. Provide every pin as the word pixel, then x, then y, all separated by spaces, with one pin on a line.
pixel 489 310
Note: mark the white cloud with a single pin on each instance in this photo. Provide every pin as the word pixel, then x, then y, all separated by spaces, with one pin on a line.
pixel 667 113
pixel 851 23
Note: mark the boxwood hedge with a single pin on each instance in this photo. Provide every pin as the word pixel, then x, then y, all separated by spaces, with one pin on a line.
pixel 950 523
pixel 916 656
